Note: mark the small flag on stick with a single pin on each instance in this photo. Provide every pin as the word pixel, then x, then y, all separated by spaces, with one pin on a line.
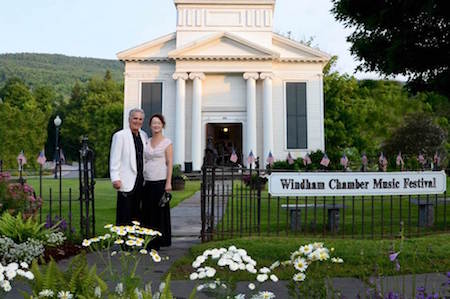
pixel 41 159
pixel 270 159
pixel 233 157
pixel 436 159
pixel 307 160
pixel 290 160
pixel 251 158
pixel 344 161
pixel 421 159
pixel 382 162
pixel 21 160
pixel 325 161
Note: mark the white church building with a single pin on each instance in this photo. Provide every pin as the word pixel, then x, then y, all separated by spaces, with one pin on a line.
pixel 225 76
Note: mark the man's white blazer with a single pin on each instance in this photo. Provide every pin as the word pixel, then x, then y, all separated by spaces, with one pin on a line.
pixel 122 163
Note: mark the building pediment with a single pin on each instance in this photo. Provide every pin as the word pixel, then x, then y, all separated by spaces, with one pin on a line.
pixel 223 46
pixel 294 51
pixel 157 49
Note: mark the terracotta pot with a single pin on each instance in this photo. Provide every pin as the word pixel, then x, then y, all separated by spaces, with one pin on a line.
pixel 178 184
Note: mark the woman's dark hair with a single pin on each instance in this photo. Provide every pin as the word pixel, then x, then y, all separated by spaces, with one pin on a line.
pixel 160 117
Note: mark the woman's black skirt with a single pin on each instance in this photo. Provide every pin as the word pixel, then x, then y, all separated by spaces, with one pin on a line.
pixel 154 216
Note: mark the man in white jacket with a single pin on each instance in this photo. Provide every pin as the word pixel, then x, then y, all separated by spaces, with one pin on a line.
pixel 126 167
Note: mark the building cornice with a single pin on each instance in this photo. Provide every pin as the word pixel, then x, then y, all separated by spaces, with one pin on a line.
pixel 230 2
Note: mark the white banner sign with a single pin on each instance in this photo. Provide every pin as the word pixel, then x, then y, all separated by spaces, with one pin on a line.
pixel 356 183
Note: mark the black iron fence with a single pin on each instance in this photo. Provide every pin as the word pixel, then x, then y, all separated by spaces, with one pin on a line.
pixel 235 202
pixel 66 202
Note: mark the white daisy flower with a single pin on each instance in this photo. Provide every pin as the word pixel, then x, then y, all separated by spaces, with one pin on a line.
pixel 299 277
pixel 266 295
pixel 273 277
pixel 108 226
pixel 86 243
pixel 156 258
pixel 307 249
pixel 193 276
pixel 262 277
pixel 251 286
pixel 264 270
pixel 210 272
pixel 143 251
pixel 24 265
pixel 65 295
pixel 46 293
pixel 300 264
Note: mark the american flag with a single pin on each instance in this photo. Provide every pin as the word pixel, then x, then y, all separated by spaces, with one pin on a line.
pixel 41 159
pixel 344 161
pixel 382 160
pixel 251 158
pixel 290 160
pixel 325 161
pixel 307 160
pixel 364 160
pixel 399 161
pixel 270 159
pixel 21 160
pixel 421 159
pixel 436 159
pixel 233 157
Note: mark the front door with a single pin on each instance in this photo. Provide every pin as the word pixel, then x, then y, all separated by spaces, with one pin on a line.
pixel 225 137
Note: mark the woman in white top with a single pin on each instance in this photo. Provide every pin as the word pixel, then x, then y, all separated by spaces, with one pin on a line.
pixel 158 180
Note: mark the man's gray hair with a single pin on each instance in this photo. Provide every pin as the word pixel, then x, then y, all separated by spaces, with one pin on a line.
pixel 136 110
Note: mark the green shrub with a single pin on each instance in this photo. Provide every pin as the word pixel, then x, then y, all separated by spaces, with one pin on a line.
pixel 20 230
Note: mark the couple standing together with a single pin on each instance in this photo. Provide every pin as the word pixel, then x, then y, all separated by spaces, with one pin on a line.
pixel 141 172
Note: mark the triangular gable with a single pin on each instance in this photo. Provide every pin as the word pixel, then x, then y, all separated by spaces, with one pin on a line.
pixel 222 45
pixel 294 51
pixel 155 49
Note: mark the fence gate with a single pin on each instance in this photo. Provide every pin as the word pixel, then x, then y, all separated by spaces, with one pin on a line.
pixel 87 184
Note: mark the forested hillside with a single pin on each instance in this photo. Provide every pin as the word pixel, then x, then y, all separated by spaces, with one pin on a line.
pixel 55 70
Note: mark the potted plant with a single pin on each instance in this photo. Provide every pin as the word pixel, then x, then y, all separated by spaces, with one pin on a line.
pixel 254 180
pixel 178 178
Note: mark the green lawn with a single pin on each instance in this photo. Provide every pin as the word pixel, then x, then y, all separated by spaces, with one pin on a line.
pixel 105 199
pixel 363 217
pixel 362 258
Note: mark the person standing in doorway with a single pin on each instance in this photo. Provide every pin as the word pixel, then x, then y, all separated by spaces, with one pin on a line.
pixel 158 182
pixel 126 167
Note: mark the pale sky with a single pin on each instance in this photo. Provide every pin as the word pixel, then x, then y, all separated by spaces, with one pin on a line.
pixel 101 28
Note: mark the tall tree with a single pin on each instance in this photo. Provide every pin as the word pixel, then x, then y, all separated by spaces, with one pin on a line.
pixel 407 37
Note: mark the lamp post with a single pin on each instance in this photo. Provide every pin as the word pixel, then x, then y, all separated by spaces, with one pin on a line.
pixel 57 121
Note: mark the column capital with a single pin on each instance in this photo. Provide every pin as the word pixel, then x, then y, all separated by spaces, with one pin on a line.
pixel 183 76
pixel 251 76
pixel 200 76
pixel 264 76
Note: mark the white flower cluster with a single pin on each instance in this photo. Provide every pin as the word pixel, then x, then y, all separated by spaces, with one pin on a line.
pixel 23 252
pixel 233 258
pixel 260 295
pixel 56 239
pixel 132 236
pixel 8 273
pixel 46 293
pixel 307 254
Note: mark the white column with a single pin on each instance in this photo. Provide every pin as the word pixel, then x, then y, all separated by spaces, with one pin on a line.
pixel 251 114
pixel 196 120
pixel 267 115
pixel 180 114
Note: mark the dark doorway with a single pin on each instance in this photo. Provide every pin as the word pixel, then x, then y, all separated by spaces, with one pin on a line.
pixel 225 138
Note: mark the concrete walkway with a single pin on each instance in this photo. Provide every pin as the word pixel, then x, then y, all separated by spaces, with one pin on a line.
pixel 186 226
